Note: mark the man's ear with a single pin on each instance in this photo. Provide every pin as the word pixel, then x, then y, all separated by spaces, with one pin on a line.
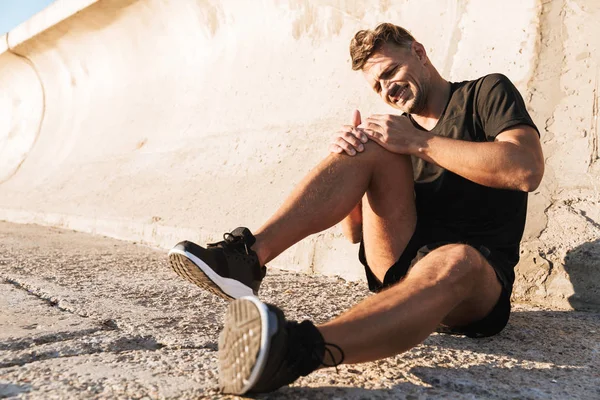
pixel 419 51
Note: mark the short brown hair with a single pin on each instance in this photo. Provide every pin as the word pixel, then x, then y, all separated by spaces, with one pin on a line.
pixel 367 42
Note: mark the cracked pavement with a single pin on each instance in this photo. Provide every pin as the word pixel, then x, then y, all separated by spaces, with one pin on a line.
pixel 84 316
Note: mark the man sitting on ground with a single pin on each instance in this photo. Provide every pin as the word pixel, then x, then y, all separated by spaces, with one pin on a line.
pixel 437 198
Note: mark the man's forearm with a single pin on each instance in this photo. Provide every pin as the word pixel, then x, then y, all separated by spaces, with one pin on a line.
pixel 496 164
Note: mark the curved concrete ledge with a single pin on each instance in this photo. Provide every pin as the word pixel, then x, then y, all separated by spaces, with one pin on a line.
pixel 3 43
pixel 55 13
pixel 22 105
pixel 170 120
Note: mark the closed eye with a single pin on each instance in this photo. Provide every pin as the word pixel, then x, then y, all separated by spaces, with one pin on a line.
pixel 388 73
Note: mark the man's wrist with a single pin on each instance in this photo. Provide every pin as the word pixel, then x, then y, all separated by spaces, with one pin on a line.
pixel 422 144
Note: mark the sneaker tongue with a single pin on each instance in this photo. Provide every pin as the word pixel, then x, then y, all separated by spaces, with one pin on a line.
pixel 246 234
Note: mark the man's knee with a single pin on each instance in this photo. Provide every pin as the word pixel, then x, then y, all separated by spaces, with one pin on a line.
pixel 372 153
pixel 456 265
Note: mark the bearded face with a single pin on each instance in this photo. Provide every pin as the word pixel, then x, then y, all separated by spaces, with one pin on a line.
pixel 398 75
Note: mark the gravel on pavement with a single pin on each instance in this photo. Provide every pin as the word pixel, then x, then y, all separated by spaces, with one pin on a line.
pixel 84 316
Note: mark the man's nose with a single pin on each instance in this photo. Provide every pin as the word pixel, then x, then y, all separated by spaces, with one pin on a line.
pixel 385 87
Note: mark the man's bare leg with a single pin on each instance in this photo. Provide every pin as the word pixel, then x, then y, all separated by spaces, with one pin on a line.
pixel 453 286
pixel 387 225
pixel 322 199
pixel 333 189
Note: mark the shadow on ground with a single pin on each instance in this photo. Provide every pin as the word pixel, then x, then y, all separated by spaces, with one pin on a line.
pixel 474 382
pixel 540 355
pixel 538 336
pixel 583 266
pixel 332 392
pixel 10 390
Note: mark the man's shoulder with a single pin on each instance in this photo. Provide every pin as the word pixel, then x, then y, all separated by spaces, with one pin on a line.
pixel 485 82
pixel 496 79
pixel 485 89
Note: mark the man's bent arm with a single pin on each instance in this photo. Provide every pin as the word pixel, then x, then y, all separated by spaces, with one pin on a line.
pixel 513 161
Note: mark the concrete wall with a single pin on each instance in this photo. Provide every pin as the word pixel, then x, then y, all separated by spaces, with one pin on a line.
pixel 155 121
pixel 561 261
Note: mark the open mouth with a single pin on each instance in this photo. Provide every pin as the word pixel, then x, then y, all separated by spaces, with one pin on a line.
pixel 397 92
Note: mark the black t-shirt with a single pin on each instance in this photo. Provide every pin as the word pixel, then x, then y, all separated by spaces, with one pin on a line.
pixel 454 209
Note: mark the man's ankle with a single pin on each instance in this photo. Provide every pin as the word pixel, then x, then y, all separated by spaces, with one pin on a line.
pixel 261 250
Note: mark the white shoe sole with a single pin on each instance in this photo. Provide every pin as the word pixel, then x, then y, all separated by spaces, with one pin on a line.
pixel 190 267
pixel 244 345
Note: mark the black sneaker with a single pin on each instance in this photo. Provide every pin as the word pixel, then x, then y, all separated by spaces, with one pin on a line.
pixel 259 351
pixel 229 268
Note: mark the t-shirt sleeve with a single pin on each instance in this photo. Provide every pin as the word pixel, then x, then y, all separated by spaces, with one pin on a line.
pixel 500 106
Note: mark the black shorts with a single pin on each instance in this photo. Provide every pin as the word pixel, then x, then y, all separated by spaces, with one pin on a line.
pixel 415 250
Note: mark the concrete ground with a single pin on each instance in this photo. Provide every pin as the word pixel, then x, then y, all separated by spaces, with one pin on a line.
pixel 83 316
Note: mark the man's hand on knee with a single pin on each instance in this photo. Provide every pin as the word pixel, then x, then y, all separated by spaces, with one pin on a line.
pixel 350 138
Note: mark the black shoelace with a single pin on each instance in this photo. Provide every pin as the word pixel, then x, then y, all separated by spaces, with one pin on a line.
pixel 308 352
pixel 328 351
pixel 231 242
